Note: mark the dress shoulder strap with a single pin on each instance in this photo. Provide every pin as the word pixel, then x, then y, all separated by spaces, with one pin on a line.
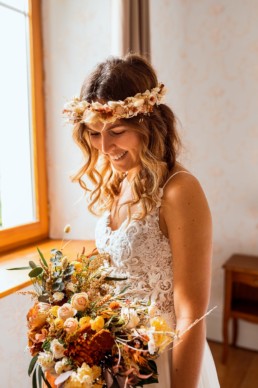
pixel 172 176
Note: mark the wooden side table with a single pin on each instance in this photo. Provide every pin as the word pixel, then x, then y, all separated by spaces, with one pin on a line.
pixel 241 294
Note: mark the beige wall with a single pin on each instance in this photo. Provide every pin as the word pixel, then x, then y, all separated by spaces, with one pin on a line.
pixel 206 53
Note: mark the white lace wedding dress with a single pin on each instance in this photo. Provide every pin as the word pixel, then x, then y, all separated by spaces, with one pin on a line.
pixel 142 253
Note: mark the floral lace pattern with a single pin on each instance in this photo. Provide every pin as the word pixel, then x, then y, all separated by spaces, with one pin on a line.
pixel 141 252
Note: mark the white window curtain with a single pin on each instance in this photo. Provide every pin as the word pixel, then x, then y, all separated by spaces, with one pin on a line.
pixel 130 27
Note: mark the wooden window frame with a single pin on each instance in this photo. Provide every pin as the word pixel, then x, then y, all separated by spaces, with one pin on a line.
pixel 15 237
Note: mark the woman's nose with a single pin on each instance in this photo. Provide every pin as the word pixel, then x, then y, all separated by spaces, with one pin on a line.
pixel 106 143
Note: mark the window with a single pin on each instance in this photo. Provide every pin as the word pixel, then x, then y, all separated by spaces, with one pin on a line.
pixel 23 191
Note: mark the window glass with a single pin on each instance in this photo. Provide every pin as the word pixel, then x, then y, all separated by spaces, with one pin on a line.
pixel 17 202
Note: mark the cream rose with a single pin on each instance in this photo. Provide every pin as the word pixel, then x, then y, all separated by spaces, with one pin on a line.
pixel 66 311
pixel 82 378
pixel 71 325
pixel 62 366
pixel 80 301
pixel 57 296
pixel 46 361
pixel 57 349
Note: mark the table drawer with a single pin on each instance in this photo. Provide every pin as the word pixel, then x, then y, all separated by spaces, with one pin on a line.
pixel 249 279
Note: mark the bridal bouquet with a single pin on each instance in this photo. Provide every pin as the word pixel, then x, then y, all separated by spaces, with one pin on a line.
pixel 83 330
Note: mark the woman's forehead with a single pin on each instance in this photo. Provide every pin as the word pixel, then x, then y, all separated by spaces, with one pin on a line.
pixel 100 126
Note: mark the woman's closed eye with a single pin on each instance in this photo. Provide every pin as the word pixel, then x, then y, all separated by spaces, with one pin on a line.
pixel 93 133
pixel 112 133
pixel 116 133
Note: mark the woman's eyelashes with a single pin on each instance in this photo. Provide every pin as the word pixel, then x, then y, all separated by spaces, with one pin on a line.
pixel 112 133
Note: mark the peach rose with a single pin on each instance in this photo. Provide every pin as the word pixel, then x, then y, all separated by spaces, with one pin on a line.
pixel 66 311
pixel 37 315
pixel 71 325
pixel 80 301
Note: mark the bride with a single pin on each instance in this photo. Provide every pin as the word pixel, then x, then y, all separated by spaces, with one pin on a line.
pixel 155 221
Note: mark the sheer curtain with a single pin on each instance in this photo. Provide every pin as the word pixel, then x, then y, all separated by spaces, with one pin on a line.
pixel 130 27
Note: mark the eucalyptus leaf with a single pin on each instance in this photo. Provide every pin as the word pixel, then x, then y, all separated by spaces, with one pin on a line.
pixel 32 264
pixel 56 286
pixel 69 270
pixel 58 254
pixel 43 298
pixel 61 287
pixel 42 257
pixel 34 379
pixel 109 278
pixel 32 364
pixel 17 268
pixel 58 281
pixel 67 276
pixel 39 377
pixel 46 345
pixel 35 272
pixel 45 380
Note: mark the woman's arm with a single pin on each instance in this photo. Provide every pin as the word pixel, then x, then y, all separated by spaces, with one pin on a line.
pixel 188 220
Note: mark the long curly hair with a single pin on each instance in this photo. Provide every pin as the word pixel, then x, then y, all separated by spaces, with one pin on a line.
pixel 115 79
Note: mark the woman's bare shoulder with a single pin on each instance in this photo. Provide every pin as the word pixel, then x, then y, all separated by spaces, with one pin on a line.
pixel 184 191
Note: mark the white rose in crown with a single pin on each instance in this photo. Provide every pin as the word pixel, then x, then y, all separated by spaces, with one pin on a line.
pixel 66 311
pixel 57 349
pixel 129 315
pixel 80 301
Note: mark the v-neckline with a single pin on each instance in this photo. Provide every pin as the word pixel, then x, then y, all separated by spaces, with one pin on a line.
pixel 108 223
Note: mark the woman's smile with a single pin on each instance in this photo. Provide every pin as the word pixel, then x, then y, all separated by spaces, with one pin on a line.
pixel 118 157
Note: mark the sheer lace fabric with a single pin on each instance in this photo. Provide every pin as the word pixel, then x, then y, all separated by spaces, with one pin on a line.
pixel 142 253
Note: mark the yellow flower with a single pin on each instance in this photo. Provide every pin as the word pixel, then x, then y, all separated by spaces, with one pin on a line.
pixel 59 323
pixel 84 320
pixel 97 324
pixel 77 265
pixel 54 310
pixel 159 324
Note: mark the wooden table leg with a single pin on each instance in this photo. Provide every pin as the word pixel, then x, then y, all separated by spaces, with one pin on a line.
pixel 235 331
pixel 226 314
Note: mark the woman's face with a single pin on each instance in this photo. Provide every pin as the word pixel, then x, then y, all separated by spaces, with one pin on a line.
pixel 119 142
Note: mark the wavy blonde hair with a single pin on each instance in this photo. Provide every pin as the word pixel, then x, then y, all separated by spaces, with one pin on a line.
pixel 116 79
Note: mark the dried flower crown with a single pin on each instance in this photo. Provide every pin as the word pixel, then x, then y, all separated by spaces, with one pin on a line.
pixel 81 111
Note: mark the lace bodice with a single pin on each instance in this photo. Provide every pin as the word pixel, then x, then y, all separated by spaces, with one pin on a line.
pixel 140 251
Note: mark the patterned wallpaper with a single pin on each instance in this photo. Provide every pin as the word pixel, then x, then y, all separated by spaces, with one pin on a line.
pixel 206 52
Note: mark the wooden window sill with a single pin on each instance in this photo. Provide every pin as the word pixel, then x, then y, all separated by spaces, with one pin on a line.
pixel 12 281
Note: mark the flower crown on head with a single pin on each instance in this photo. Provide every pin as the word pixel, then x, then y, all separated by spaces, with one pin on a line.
pixel 81 111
